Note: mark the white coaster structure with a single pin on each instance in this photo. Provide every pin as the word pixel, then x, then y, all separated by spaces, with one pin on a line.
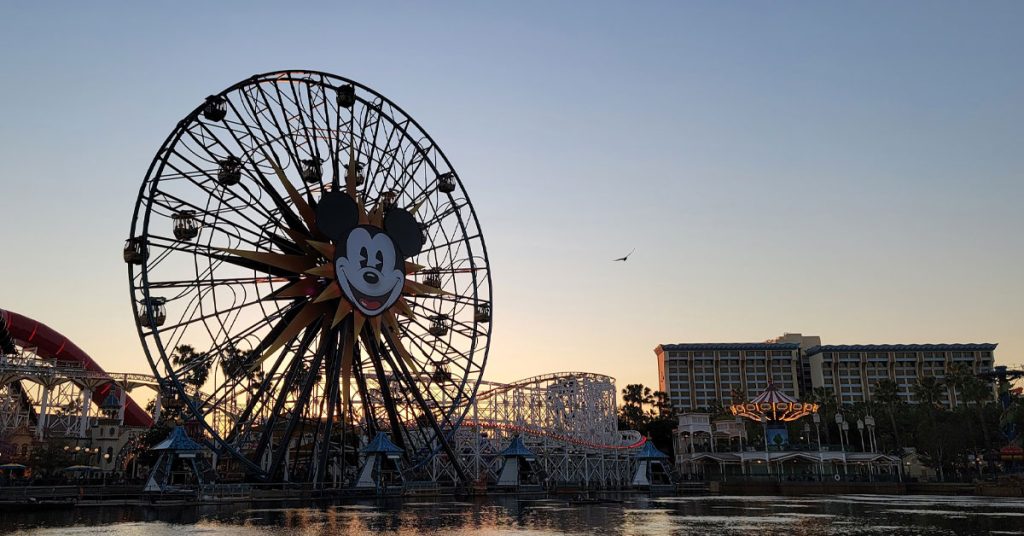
pixel 567 419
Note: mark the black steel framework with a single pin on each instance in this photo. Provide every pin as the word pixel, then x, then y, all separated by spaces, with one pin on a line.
pixel 214 188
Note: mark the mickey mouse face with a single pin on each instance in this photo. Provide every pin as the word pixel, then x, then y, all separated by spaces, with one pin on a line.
pixel 369 261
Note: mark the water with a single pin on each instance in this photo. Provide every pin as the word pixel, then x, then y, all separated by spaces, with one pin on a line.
pixel 842 514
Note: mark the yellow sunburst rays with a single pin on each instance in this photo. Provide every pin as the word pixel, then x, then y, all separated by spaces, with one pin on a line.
pixel 326 303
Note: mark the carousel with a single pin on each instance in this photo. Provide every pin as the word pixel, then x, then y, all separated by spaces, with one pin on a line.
pixel 774 436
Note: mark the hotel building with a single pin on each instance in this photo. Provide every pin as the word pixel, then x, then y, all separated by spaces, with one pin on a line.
pixel 698 375
pixel 852 371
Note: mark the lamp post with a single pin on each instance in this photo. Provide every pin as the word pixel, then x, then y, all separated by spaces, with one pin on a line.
pixel 839 424
pixel 817 428
pixel 869 421
pixel 764 427
pixel 817 431
pixel 860 428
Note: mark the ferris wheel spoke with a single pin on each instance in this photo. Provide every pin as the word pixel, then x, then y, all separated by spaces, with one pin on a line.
pixel 211 188
pixel 436 218
pixel 302 399
pixel 279 110
pixel 291 220
pixel 467 330
pixel 226 229
pixel 282 393
pixel 309 130
pixel 257 206
pixel 399 366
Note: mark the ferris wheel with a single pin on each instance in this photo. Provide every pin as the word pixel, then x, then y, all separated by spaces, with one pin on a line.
pixel 304 264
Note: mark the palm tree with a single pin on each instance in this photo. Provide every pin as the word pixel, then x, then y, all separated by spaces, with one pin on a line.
pixel 632 412
pixel 979 392
pixel 662 405
pixel 195 366
pixel 957 378
pixel 886 393
pixel 827 407
pixel 928 391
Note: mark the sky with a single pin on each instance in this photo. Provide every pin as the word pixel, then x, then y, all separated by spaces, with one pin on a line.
pixel 848 170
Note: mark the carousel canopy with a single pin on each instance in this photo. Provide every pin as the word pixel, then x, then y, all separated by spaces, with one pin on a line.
pixel 650 452
pixel 518 449
pixel 773 405
pixel 178 441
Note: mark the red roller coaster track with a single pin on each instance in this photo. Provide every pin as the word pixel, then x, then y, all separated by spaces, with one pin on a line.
pixel 50 344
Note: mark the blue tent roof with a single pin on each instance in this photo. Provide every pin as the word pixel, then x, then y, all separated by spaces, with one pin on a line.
pixel 650 452
pixel 517 448
pixel 178 441
pixel 111 401
pixel 381 445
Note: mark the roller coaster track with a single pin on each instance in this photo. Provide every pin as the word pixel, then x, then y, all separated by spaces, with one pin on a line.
pixel 498 388
pixel 537 432
pixel 47 343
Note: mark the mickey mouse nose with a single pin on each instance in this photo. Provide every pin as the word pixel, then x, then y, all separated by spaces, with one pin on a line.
pixel 371 278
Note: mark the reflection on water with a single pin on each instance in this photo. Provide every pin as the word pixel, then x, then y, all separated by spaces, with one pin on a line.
pixel 846 514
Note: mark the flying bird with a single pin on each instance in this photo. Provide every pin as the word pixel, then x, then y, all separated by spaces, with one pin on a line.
pixel 626 258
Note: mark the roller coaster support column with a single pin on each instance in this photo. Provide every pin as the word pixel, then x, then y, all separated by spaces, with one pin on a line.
pixel 45 401
pixel 121 400
pixel 156 407
pixel 88 386
pixel 86 406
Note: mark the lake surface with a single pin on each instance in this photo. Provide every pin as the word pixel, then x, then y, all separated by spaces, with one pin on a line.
pixel 840 514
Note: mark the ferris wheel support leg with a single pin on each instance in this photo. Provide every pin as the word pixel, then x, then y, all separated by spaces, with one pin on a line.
pixel 293 421
pixel 445 443
pixel 334 369
pixel 389 402
pixel 261 448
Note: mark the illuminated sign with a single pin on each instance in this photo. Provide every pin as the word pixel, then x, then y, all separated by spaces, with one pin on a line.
pixel 774 411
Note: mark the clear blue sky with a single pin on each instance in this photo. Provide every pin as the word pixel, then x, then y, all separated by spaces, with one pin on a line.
pixel 852 170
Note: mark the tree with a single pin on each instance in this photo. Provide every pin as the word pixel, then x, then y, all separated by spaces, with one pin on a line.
pixel 929 392
pixel 886 394
pixel 827 408
pixel 632 414
pixel 979 392
pixel 194 367
pixel 662 406
pixel 240 364
pixel 50 457
pixel 957 378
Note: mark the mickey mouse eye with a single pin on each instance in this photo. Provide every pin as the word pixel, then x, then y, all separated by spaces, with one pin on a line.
pixel 364 257
pixel 380 260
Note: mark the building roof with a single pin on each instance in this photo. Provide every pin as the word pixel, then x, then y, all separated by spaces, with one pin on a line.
pixel 178 441
pixel 969 347
pixel 729 346
pixel 381 445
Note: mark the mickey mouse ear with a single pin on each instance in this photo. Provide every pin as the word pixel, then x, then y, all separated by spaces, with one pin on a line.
pixel 401 226
pixel 336 215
